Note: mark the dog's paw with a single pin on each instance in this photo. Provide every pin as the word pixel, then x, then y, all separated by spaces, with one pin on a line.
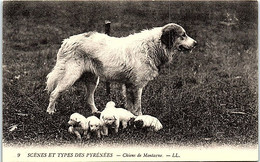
pixel 70 129
pixel 51 111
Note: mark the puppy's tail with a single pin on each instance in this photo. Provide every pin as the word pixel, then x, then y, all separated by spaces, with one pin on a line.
pixel 110 104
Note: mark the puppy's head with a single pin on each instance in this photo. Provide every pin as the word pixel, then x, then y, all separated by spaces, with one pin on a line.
pixel 94 125
pixel 174 36
pixel 138 124
pixel 109 119
pixel 75 119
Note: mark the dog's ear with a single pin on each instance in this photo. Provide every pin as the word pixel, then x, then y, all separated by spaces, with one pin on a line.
pixel 101 120
pixel 86 125
pixel 169 33
pixel 100 123
pixel 114 117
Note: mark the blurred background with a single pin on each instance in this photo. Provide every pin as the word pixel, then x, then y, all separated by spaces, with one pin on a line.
pixel 207 96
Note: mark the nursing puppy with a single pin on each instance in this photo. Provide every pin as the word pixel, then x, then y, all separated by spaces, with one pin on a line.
pixel 111 117
pixel 147 121
pixel 132 61
pixel 89 125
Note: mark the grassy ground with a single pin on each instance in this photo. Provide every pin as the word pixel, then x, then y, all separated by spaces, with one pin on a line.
pixel 208 96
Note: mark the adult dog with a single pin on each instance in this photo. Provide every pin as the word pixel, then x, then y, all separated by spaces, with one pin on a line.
pixel 133 61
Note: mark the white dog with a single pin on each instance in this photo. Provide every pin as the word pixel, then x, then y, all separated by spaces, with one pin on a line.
pixel 88 125
pixel 112 117
pixel 147 121
pixel 132 61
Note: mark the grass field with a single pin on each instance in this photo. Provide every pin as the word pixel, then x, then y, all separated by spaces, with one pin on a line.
pixel 207 96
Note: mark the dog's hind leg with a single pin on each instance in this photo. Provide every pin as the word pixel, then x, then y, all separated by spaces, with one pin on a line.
pixel 73 72
pixel 91 82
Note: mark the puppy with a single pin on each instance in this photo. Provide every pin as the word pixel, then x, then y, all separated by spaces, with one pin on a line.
pixel 77 123
pixel 111 117
pixel 93 127
pixel 90 125
pixel 147 121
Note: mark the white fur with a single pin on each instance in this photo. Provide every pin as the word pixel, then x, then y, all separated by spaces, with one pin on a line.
pixel 112 116
pixel 133 61
pixel 89 124
pixel 150 121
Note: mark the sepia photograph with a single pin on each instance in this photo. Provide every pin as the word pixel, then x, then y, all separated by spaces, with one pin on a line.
pixel 130 81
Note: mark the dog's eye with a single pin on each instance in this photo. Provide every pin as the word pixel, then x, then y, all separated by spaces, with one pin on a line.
pixel 183 36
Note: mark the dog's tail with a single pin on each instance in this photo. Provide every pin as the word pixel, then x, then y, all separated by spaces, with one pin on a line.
pixel 71 48
pixel 54 76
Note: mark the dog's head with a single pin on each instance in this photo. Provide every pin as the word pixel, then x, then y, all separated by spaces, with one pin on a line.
pixel 109 119
pixel 94 125
pixel 75 119
pixel 174 36
pixel 138 124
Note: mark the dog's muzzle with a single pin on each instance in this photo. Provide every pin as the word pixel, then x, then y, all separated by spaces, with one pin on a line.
pixel 187 48
pixel 94 130
pixel 113 125
pixel 183 48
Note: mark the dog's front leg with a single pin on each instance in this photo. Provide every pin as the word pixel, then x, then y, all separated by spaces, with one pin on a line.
pixel 91 85
pixel 129 97
pixel 137 101
pixel 104 131
pixel 88 135
pixel 98 134
pixel 116 129
pixel 78 135
pixel 124 124
pixel 133 99
pixel 117 124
